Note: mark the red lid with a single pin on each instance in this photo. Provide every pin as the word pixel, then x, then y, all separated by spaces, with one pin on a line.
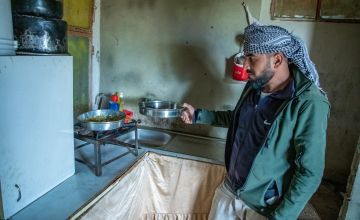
pixel 114 98
pixel 128 113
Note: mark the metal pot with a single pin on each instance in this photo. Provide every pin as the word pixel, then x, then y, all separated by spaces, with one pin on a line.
pixel 41 8
pixel 39 35
pixel 85 120
pixel 160 109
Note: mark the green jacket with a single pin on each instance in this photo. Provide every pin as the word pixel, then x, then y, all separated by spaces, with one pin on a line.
pixel 292 155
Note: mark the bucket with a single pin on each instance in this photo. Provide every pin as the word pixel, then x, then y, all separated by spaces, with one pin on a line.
pixel 7 44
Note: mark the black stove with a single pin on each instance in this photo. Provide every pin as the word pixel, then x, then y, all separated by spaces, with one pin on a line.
pixel 100 138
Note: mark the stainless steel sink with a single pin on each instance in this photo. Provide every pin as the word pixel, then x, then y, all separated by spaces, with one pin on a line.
pixel 147 137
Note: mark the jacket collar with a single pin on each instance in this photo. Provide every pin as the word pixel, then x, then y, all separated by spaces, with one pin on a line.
pixel 301 83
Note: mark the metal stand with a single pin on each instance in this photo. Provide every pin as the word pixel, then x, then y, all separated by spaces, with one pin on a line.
pixel 107 137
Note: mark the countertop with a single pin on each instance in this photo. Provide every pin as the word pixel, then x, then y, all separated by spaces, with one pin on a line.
pixel 69 196
pixel 190 146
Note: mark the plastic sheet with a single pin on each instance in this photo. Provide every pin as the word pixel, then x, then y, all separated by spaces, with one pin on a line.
pixel 158 187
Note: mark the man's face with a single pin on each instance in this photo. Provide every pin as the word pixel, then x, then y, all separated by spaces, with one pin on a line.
pixel 259 69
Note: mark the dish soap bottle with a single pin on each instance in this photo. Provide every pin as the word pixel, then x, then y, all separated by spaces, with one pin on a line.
pixel 121 101
pixel 113 103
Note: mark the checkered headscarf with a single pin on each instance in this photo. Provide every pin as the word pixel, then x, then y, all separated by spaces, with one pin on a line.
pixel 265 39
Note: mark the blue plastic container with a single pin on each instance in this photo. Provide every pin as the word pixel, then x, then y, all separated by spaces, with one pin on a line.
pixel 113 106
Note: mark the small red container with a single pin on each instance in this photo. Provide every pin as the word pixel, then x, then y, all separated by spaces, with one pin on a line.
pixel 129 115
pixel 114 98
pixel 239 72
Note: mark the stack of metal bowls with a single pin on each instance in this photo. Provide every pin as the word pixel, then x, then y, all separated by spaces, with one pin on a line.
pixel 160 109
pixel 38 27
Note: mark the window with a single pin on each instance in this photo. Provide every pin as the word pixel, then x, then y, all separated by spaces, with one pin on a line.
pixel 316 10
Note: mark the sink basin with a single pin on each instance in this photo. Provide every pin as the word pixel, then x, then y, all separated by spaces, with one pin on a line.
pixel 147 137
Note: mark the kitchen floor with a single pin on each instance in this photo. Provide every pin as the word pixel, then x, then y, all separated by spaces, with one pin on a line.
pixel 327 200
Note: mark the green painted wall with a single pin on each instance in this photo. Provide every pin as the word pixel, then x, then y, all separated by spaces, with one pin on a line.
pixel 78 13
pixel 78 47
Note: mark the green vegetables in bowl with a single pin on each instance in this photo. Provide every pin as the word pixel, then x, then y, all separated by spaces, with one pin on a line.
pixel 104 118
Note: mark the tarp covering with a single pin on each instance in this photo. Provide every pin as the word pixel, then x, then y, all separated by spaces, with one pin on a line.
pixel 159 187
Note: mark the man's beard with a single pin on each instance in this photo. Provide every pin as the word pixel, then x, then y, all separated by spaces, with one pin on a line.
pixel 262 80
pixel 265 77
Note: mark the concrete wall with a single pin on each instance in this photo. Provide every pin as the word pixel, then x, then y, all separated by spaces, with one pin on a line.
pixel 172 50
pixel 182 50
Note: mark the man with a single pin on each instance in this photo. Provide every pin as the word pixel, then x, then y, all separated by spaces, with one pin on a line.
pixel 275 148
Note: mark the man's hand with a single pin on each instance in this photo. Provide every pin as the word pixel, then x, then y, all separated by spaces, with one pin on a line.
pixel 187 114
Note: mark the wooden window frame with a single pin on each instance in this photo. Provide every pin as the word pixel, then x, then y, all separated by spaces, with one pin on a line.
pixel 317 16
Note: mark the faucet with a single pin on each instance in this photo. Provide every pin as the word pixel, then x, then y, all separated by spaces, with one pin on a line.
pixel 98 100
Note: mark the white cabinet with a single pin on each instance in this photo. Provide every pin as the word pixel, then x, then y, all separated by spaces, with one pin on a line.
pixel 36 128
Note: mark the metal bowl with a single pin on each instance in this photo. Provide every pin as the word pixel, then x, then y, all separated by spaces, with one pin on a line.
pixel 85 118
pixel 160 109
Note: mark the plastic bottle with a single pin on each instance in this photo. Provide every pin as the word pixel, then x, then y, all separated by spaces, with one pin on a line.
pixel 113 106
pixel 113 103
pixel 121 101
pixel 118 101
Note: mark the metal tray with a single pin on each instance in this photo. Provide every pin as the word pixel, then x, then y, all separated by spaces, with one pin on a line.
pixel 160 109
pixel 101 126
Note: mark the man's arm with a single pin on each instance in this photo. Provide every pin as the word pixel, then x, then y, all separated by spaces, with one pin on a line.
pixel 309 141
pixel 215 118
pixel 190 115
